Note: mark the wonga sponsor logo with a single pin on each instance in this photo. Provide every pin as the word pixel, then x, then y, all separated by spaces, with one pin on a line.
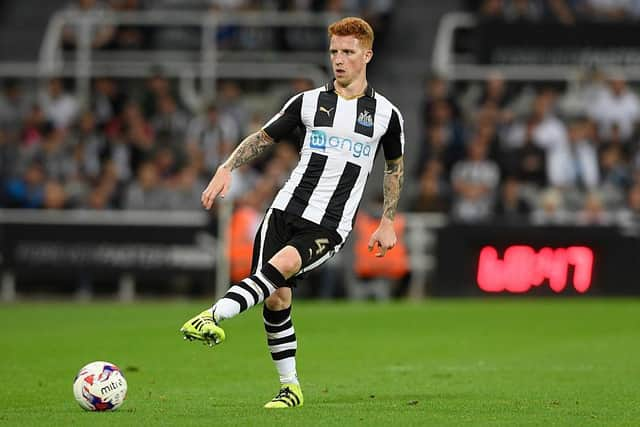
pixel 319 140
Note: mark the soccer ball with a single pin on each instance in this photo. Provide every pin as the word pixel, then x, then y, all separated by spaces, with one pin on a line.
pixel 100 386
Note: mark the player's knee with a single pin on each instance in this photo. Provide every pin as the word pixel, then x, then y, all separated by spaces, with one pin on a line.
pixel 279 300
pixel 287 263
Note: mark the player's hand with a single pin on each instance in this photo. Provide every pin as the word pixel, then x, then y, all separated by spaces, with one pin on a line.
pixel 384 236
pixel 219 185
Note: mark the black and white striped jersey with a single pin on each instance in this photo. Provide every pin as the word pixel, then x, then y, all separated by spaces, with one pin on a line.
pixel 341 139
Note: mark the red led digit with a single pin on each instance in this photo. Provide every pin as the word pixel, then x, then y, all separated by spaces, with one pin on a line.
pixel 522 268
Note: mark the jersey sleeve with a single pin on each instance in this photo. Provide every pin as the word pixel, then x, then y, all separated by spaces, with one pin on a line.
pixel 393 139
pixel 286 121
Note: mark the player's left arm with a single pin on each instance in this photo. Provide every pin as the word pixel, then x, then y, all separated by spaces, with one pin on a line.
pixel 393 145
pixel 385 235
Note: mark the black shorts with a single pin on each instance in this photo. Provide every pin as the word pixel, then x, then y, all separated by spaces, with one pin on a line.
pixel 314 243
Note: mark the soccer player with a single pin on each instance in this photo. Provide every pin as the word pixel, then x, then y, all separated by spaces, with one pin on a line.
pixel 344 123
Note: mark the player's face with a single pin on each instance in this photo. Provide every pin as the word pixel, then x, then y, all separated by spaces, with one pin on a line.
pixel 348 59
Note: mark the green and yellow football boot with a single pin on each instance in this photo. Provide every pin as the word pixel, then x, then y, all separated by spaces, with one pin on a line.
pixel 290 396
pixel 203 328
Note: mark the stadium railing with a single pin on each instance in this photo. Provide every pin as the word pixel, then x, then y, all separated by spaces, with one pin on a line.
pixel 208 64
pixel 453 54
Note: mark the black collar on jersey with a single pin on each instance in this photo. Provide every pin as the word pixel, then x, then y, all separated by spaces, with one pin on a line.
pixel 368 91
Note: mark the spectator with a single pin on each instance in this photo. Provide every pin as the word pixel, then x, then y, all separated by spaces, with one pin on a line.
pixel 616 106
pixel 593 211
pixel 59 106
pixel 91 145
pixel 444 136
pixel 34 122
pixel 186 190
pixel 491 10
pixel 376 278
pixel 230 103
pixel 146 193
pixel 610 10
pixel 378 13
pixel 55 196
pixel 433 189
pixel 495 94
pixel 528 10
pixel 56 154
pixel 131 140
pixel 575 165
pixel 436 92
pixel 101 35
pixel 107 100
pixel 26 191
pixel 527 162
pixel 474 181
pixel 14 106
pixel 210 138
pixel 550 209
pixel 129 36
pixel 156 86
pixel 166 164
pixel 630 214
pixel 511 207
pixel 244 179
pixel 106 193
pixel 170 121
pixel 244 223
pixel 8 155
pixel 615 173
pixel 569 158
pixel 98 199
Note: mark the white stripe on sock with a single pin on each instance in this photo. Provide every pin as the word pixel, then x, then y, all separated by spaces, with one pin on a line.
pixel 272 287
pixel 281 347
pixel 276 324
pixel 285 333
pixel 244 294
pixel 256 288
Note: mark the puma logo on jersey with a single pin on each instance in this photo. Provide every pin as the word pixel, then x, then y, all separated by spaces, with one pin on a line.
pixel 323 109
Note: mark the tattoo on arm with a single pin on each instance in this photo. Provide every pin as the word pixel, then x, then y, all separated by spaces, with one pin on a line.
pixel 250 148
pixel 392 185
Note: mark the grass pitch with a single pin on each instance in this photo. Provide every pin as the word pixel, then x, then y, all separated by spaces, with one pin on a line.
pixel 571 362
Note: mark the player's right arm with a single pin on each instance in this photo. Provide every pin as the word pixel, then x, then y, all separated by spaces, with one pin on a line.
pixel 252 146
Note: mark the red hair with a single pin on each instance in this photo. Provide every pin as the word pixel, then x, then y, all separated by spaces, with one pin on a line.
pixel 351 26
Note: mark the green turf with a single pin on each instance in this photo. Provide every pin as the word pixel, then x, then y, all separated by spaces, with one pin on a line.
pixel 510 362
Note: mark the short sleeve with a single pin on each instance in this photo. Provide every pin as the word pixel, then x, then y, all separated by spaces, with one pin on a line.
pixel 393 139
pixel 286 121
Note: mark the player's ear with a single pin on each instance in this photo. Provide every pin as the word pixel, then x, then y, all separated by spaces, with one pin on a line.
pixel 368 54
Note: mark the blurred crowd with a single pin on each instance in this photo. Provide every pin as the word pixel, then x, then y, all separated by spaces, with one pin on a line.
pixel 489 150
pixel 565 153
pixel 552 154
pixel 134 147
pixel 137 145
pixel 567 12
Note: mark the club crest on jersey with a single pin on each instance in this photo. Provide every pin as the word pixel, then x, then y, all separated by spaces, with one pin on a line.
pixel 365 119
pixel 319 140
